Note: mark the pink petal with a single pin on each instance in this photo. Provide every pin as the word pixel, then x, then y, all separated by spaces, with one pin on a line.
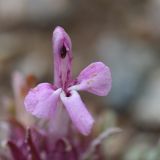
pixel 41 101
pixel 78 113
pixel 62 49
pixel 95 78
pixel 58 125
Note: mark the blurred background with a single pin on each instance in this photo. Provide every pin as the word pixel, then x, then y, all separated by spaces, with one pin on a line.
pixel 124 34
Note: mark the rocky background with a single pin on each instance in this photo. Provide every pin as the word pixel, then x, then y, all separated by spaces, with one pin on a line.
pixel 124 34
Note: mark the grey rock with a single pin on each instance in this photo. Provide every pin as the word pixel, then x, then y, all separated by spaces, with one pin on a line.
pixel 129 61
pixel 146 109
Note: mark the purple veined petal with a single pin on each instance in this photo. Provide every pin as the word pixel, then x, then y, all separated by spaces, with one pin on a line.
pixel 62 49
pixel 95 78
pixel 78 112
pixel 41 101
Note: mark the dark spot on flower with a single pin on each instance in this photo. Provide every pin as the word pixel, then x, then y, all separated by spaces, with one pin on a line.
pixel 63 52
pixel 68 94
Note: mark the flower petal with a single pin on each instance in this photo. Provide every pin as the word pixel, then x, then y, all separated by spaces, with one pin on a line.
pixel 78 113
pixel 58 124
pixel 41 101
pixel 95 78
pixel 62 48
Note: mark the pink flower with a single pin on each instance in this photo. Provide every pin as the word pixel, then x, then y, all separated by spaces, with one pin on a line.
pixel 43 100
